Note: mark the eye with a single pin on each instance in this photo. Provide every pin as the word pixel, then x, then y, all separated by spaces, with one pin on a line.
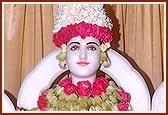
pixel 91 48
pixel 74 48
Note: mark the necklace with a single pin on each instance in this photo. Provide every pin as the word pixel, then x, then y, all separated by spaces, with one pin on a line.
pixel 85 88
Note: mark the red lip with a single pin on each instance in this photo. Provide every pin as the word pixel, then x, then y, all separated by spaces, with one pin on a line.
pixel 83 63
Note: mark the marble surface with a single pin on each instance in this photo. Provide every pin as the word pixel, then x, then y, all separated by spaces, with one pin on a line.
pixel 158 99
pixel 7 104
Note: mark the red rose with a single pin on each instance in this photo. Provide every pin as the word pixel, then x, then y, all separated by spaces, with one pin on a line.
pixel 100 84
pixel 84 88
pixel 83 92
pixel 84 85
pixel 122 106
pixel 70 88
pixel 125 96
pixel 96 91
pixel 42 102
pixel 65 82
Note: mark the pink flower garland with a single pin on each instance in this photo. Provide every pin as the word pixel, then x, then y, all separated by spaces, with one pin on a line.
pixel 123 105
pixel 84 88
pixel 42 102
pixel 82 29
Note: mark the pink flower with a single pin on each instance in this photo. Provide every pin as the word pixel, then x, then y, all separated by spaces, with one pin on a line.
pixel 119 89
pixel 125 96
pixel 93 30
pixel 56 40
pixel 83 92
pixel 81 29
pixel 84 85
pixel 70 88
pixel 44 93
pixel 88 30
pixel 84 88
pixel 42 102
pixel 17 108
pixel 106 35
pixel 101 33
pixel 64 34
pixel 122 106
pixel 65 82
pixel 72 31
pixel 100 84
pixel 95 92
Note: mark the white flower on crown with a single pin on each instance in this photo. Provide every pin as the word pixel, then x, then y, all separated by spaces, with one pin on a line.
pixel 75 13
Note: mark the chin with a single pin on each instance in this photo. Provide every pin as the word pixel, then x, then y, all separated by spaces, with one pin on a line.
pixel 83 74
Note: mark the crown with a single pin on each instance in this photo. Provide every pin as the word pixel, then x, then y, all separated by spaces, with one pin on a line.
pixel 81 19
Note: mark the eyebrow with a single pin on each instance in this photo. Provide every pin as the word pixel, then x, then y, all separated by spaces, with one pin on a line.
pixel 74 43
pixel 92 43
pixel 87 43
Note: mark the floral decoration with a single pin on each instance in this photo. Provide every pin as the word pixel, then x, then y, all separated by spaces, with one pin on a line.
pixel 103 95
pixel 75 13
pixel 63 46
pixel 42 102
pixel 104 47
pixel 81 29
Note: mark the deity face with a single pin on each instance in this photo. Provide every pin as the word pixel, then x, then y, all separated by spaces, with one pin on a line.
pixel 83 56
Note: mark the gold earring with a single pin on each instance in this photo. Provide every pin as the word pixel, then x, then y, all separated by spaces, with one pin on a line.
pixel 104 59
pixel 62 56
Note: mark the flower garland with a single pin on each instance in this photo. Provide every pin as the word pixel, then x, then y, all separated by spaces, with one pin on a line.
pixel 103 95
pixel 81 29
pixel 83 88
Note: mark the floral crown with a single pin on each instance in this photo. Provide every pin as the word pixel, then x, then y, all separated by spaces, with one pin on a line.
pixel 81 20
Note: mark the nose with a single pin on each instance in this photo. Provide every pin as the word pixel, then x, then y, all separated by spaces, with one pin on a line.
pixel 83 53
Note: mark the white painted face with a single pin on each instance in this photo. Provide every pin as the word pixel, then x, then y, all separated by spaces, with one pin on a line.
pixel 83 56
